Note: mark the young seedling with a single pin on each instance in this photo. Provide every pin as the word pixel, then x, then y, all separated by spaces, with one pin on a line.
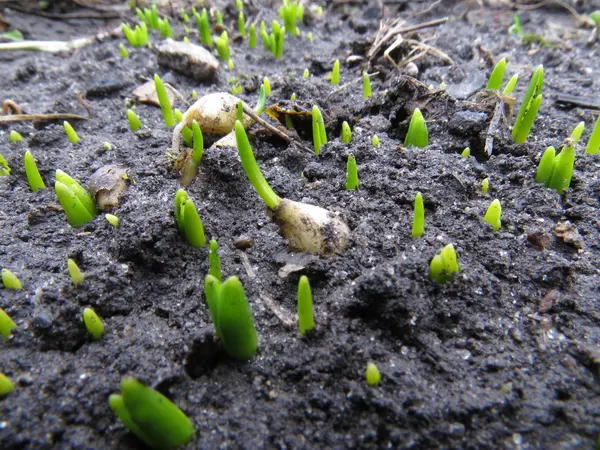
pixel 593 145
pixel 418 227
pixel 444 265
pixel 493 215
pixel 123 51
pixel 188 220
pixel 112 219
pixel 10 280
pixel 277 39
pixel 562 169
pixel 75 272
pixel 318 129
pixel 265 36
pixel 71 134
pixel 235 323
pixel 485 185
pixel 212 293
pixel 346 133
pixel 222 43
pixel 137 37
pixel 184 16
pixel 267 85
pixel 366 86
pixel 165 103
pixel 219 18
pixel 290 13
pixel 6 386
pixel 93 323
pixel 417 131
pixel 15 137
pixel 193 159
pixel 134 121
pixel 545 167
pixel 335 72
pixel 151 416
pixel 214 261
pixel 307 228
pixel 373 375
pixel 74 199
pixel 306 74
pixel 497 76
pixel 164 26
pixel 375 141
pixel 310 37
pixel 33 174
pixel 204 28
pixel 510 86
pixel 6 325
pixel 466 152
pixel 239 4
pixel 242 24
pixel 530 107
pixel 4 167
pixel 577 132
pixel 306 320
pixel 351 174
pixel 252 36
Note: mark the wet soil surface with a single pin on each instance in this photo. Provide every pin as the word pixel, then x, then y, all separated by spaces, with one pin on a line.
pixel 504 356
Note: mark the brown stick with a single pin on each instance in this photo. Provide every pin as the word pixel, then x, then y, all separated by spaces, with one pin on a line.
pixel 30 117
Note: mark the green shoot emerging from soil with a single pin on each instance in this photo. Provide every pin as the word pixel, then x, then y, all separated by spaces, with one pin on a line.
pixel 485 185
pixel 219 17
pixel 134 121
pixel 373 375
pixel 193 159
pixel 306 74
pixel 74 199
pixel 351 174
pixel 530 107
pixel 444 265
pixel 137 37
pixel 510 86
pixel 545 166
pixel 75 272
pixel 6 325
pixel 306 320
pixel 164 26
pixel 417 131
pixel 93 323
pixel 204 28
pixel 577 132
pixel 277 39
pixel 593 145
pixel 165 103
pixel 497 76
pixel 367 92
pixel 214 261
pixel 188 220
pixel 212 291
pixel 493 215
pixel 71 134
pixel 252 36
pixel 6 386
pixel 4 167
pixel 33 174
pixel 375 141
pixel 123 51
pixel 10 280
pixel 418 227
pixel 346 133
pixel 267 85
pixel 112 219
pixel 562 169
pixel 318 129
pixel 466 152
pixel 151 416
pixel 222 43
pixel 335 72
pixel 290 13
pixel 242 24
pixel 15 136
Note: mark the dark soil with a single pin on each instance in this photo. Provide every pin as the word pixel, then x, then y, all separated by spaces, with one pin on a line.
pixel 479 362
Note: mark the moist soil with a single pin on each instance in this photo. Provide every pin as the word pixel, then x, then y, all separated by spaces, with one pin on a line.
pixel 504 356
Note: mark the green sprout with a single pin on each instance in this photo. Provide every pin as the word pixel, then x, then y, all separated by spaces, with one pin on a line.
pixel 493 215
pixel 240 111
pixel 277 39
pixel 193 159
pixel 444 265
pixel 593 145
pixel 545 166
pixel 219 17
pixel 4 167
pixel 165 102
pixel 214 261
pixel 164 26
pixel 516 28
pixel 417 131
pixel 510 86
pixel 10 280
pixel 290 13
pixel 212 291
pixel 306 74
pixel 194 95
pixel 366 86
pixel 267 85
pixel 134 121
pixel 123 51
pixel 497 76
pixel 71 134
pixel 351 174
pixel 112 219
pixel 466 152
pixel 151 416
pixel 335 72
pixel 137 37
pixel 239 4
pixel 242 24
pixel 265 36
pixel 222 43
pixel 15 136
pixel 75 272
pixel 375 141
pixel 530 107
pixel 373 375
pixel 6 325
pixel 188 220
pixel 33 174
pixel 485 185
pixel 318 129
pixel 178 115
pixel 293 97
pixel 418 227
pixel 107 146
pixel 310 37
pixel 93 323
pixel 204 28
pixel 252 36
pixel 262 100
pixel 184 15
pixel 74 199
pixel 346 133
pixel 577 132
pixel 306 320
pixel 236 89
pixel 562 169
pixel 6 386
